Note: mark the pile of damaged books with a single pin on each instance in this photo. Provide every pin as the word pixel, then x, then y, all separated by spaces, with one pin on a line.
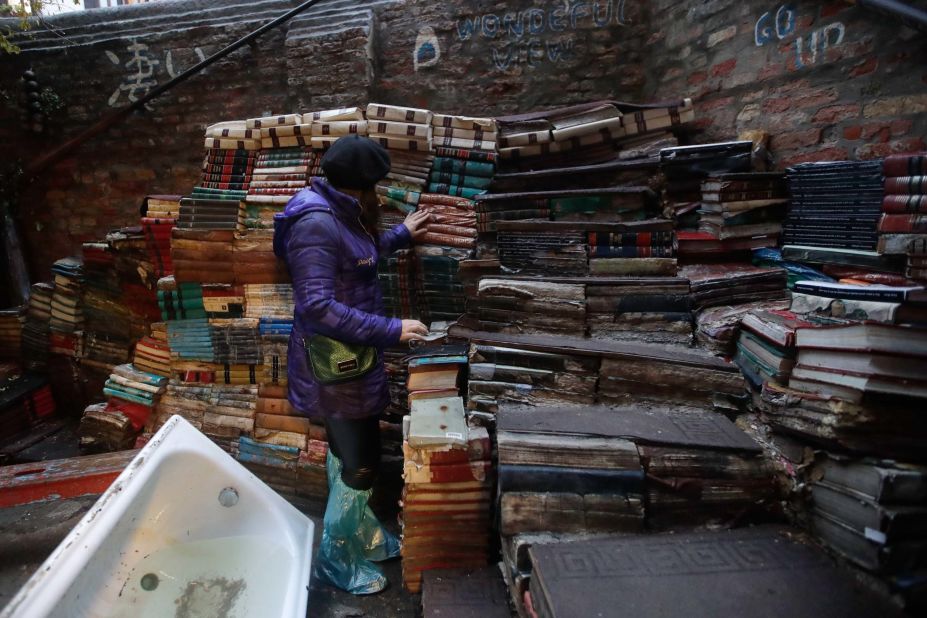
pixel 446 502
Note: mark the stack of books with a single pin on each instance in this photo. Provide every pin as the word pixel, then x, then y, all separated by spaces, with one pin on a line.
pixel 396 274
pixel 107 332
pixel 274 414
pixel 855 386
pixel 205 255
pixel 179 301
pixel 397 376
pixel 190 340
pixel 129 384
pixel 539 247
pixel 279 174
pixel 686 167
pixel 749 206
pixel 565 476
pixel 254 261
pixel 229 162
pixel 717 328
pixel 531 305
pixel 185 399
pixel 35 328
pixel 655 309
pixel 449 237
pixel 446 501
pixel 275 465
pixel 236 341
pixel 269 301
pixel 852 361
pixel 452 223
pixel 159 215
pixel 708 573
pixel 275 338
pixel 589 468
pixel 581 135
pixel 327 126
pixel 12 322
pixel 834 205
pixel 917 261
pixel 493 207
pixel 104 428
pixel 715 475
pixel 435 371
pixel 439 290
pixel 152 356
pixel 67 317
pixel 508 372
pixel 197 213
pixel 666 375
pixel 766 346
pixel 25 400
pixel 712 285
pixel 535 161
pixel 903 226
pixel 465 151
pixel 872 512
pixel 905 304
pixel 230 413
pixel 407 134
pixel 648 250
pixel 115 425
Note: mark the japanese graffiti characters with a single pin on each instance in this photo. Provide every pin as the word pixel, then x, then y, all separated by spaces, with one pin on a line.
pixel 141 68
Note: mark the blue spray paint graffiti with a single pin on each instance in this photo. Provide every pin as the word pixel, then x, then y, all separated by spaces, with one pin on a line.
pixel 427 49
pixel 524 37
pixel 769 28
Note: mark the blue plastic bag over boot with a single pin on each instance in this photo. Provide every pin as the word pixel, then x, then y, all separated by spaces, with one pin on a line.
pixel 342 561
pixel 379 543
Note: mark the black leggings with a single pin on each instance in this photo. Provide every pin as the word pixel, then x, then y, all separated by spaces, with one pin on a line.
pixel 356 442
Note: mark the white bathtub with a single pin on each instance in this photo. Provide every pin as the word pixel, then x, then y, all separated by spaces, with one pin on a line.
pixel 160 543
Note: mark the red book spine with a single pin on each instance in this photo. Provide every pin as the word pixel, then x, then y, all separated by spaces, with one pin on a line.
pixel 223 170
pixel 232 186
pixel 906 185
pixel 900 204
pixel 903 223
pixel 905 165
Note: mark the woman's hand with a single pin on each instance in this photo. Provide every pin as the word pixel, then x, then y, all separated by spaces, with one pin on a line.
pixel 412 330
pixel 415 222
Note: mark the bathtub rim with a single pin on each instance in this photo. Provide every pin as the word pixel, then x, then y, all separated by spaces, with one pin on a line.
pixel 40 595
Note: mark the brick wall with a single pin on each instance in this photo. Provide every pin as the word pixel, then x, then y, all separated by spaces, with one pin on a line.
pixel 826 79
pixel 857 89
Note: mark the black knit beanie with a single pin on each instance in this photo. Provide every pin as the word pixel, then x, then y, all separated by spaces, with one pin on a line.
pixel 355 162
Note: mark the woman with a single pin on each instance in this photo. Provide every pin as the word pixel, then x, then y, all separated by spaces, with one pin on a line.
pixel 328 237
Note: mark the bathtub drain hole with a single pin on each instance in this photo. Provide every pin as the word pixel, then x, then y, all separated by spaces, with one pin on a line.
pixel 150 581
pixel 228 497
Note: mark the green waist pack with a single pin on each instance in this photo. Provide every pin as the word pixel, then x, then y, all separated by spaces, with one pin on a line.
pixel 334 361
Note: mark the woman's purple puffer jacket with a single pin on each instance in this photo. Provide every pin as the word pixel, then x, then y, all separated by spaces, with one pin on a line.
pixel 333 264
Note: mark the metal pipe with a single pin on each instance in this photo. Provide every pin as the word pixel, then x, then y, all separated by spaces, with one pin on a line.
pixel 36 167
pixel 910 16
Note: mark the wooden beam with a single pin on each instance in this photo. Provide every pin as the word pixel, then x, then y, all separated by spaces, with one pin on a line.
pixel 61 478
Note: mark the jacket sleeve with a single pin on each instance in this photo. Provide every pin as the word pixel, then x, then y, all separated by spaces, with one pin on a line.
pixel 394 239
pixel 313 254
